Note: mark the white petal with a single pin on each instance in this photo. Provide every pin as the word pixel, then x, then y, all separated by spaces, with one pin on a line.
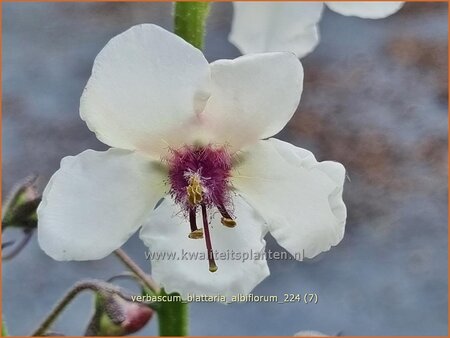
pixel 275 26
pixel 300 199
pixel 167 232
pixel 253 97
pixel 95 202
pixel 366 9
pixel 147 85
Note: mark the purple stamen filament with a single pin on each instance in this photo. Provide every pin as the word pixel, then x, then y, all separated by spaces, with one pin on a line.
pixel 199 176
pixel 193 220
pixel 227 220
pixel 196 233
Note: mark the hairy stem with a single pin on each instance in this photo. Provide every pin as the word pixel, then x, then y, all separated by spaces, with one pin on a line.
pixel 91 284
pixel 148 281
pixel 27 234
pixel 190 19
pixel 61 305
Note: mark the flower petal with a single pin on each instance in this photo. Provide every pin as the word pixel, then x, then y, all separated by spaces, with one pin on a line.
pixel 275 26
pixel 366 9
pixel 147 85
pixel 95 202
pixel 300 199
pixel 253 97
pixel 167 232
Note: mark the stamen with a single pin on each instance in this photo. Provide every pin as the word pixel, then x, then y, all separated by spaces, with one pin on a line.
pixel 226 218
pixel 194 191
pixel 195 232
pixel 212 263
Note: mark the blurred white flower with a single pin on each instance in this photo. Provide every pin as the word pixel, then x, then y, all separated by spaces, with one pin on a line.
pixel 307 333
pixel 191 132
pixel 292 26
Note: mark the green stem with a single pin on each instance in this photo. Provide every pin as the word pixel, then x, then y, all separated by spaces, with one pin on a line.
pixel 4 330
pixel 173 317
pixel 190 18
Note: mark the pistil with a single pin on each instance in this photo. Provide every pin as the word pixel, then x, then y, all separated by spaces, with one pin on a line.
pixel 194 190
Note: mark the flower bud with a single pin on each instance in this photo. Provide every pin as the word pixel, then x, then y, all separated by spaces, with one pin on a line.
pixel 20 209
pixel 116 316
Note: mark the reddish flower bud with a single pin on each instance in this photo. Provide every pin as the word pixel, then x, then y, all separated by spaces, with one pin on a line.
pixel 116 316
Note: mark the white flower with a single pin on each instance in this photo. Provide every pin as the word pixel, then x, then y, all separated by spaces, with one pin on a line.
pixel 191 132
pixel 307 333
pixel 292 26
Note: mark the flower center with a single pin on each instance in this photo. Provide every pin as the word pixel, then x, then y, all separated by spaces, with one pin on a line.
pixel 199 181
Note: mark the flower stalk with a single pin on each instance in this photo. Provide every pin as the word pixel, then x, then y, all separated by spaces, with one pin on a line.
pixel 190 20
pixel 145 278
pixel 27 234
pixel 57 310
pixel 97 286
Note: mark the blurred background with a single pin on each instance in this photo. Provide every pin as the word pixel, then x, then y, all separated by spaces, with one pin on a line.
pixel 375 99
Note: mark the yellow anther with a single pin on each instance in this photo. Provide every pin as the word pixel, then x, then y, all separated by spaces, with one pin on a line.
pixel 194 191
pixel 228 222
pixel 196 234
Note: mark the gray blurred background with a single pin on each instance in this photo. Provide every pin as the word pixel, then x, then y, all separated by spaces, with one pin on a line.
pixel 375 99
